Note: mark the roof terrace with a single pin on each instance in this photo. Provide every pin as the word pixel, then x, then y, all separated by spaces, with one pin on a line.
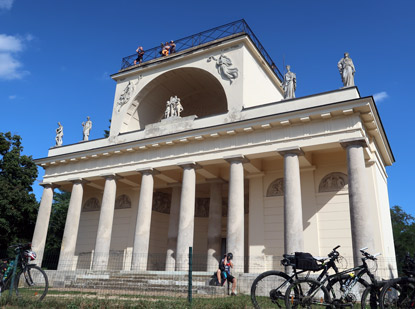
pixel 239 27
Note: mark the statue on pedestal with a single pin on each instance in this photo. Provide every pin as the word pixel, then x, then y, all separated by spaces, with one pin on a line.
pixel 87 126
pixel 59 135
pixel 289 84
pixel 173 107
pixel 347 70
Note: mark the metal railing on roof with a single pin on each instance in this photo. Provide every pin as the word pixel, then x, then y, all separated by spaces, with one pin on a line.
pixel 233 28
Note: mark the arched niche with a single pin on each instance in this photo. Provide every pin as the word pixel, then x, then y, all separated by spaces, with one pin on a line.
pixel 333 182
pixel 92 204
pixel 276 188
pixel 123 201
pixel 201 94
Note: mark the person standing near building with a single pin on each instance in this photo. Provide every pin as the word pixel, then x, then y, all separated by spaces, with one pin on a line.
pixel 224 272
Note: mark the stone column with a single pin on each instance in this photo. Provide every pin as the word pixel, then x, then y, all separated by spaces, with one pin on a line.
pixel 173 228
pixel 143 223
pixel 214 226
pixel 70 234
pixel 187 216
pixel 359 204
pixel 293 212
pixel 42 222
pixel 236 214
pixel 106 217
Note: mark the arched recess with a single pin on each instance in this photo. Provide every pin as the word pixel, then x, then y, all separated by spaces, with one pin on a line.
pixel 201 94
pixel 333 182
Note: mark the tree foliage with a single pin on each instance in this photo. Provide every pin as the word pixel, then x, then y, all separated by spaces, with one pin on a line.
pixel 403 226
pixel 57 220
pixel 18 205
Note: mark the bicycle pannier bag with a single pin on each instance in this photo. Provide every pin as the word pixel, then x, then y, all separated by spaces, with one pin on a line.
pixel 305 261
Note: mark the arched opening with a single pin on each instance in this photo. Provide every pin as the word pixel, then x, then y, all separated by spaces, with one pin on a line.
pixel 200 93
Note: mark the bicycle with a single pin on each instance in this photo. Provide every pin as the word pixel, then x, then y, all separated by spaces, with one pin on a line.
pixel 268 288
pixel 28 280
pixel 400 292
pixel 321 293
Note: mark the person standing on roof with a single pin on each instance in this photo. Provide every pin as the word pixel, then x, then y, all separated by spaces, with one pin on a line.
pixel 140 54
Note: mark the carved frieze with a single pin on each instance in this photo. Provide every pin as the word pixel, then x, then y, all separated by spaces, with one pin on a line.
pixel 92 204
pixel 333 182
pixel 126 94
pixel 276 188
pixel 161 202
pixel 224 67
pixel 122 202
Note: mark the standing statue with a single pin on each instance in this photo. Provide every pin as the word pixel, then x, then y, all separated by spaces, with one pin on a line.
pixel 59 135
pixel 173 107
pixel 87 126
pixel 178 107
pixel 289 84
pixel 223 64
pixel 347 70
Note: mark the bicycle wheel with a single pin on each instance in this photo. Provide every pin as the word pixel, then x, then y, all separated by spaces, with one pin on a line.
pixel 307 293
pixel 268 289
pixel 32 283
pixel 345 296
pixel 398 294
pixel 370 298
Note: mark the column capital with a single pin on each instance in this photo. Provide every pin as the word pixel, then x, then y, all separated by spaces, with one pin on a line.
pixel 49 185
pixel 188 165
pixel 112 176
pixel 148 171
pixel 79 180
pixel 237 158
pixel 291 150
pixel 356 141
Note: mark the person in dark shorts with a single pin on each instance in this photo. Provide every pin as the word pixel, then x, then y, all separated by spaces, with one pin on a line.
pixel 224 272
pixel 140 54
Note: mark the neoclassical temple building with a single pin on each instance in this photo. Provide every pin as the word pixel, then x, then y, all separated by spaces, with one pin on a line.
pixel 205 152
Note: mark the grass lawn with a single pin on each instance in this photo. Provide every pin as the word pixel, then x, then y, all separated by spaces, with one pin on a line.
pixel 73 300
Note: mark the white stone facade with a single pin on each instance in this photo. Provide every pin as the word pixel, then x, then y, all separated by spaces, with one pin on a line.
pixel 278 176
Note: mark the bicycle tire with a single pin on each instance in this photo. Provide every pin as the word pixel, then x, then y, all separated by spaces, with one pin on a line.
pixel 32 283
pixel 268 289
pixel 307 293
pixel 353 297
pixel 399 293
pixel 370 297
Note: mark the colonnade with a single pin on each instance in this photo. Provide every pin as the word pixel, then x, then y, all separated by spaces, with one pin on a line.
pixel 182 214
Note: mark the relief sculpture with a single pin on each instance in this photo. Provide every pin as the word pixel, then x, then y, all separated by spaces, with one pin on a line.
pixel 333 182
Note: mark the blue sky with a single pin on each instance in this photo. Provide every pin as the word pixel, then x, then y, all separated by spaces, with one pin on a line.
pixel 56 58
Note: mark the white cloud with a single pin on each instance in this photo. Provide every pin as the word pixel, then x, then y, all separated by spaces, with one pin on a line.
pixel 6 4
pixel 10 66
pixel 380 96
pixel 12 97
pixel 10 43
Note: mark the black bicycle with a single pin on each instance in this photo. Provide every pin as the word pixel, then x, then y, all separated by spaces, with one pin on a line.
pixel 400 292
pixel 28 280
pixel 268 289
pixel 333 291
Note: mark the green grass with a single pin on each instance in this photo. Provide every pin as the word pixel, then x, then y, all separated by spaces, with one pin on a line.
pixel 73 301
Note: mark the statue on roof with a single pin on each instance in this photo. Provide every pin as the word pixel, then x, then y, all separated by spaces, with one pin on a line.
pixel 223 64
pixel 347 70
pixel 289 84
pixel 59 135
pixel 87 126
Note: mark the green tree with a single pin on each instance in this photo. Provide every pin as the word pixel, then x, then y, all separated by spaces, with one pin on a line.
pixel 107 132
pixel 56 228
pixel 18 205
pixel 403 226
